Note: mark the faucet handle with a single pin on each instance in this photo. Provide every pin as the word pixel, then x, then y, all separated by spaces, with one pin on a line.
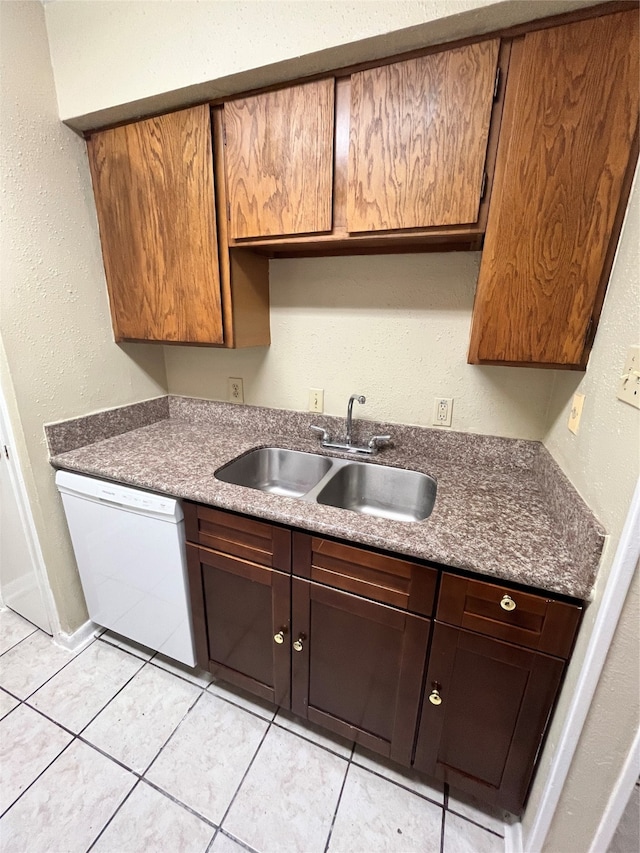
pixel 378 441
pixel 324 435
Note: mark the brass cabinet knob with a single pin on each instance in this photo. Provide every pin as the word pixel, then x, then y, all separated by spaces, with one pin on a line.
pixel 279 638
pixel 297 645
pixel 435 698
pixel 507 603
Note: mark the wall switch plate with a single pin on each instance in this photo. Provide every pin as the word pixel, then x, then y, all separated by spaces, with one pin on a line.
pixel 235 391
pixel 442 411
pixel 316 400
pixel 576 413
pixel 629 385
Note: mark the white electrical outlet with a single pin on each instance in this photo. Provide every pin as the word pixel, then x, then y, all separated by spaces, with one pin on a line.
pixel 235 391
pixel 316 400
pixel 629 385
pixel 442 411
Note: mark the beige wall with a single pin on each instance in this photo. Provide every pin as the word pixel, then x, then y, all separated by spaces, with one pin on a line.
pixel 115 60
pixel 60 360
pixel 603 462
pixel 396 327
pixel 392 327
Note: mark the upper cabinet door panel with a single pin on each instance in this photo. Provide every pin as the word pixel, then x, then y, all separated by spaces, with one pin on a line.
pixel 153 185
pixel 418 139
pixel 279 161
pixel 571 115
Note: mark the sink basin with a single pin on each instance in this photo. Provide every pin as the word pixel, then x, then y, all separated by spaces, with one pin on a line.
pixel 382 491
pixel 281 472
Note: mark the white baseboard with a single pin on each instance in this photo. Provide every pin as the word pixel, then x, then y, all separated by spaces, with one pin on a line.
pixel 78 639
pixel 513 838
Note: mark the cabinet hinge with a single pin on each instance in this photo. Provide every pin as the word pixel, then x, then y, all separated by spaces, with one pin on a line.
pixel 224 133
pixel 496 85
pixel 6 451
pixel 483 186
pixel 229 211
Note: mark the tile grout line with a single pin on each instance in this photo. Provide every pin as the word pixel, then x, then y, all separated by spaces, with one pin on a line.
pixel 95 840
pixel 203 689
pixel 244 776
pixel 21 640
pixel 339 800
pixel 178 802
pixel 235 840
pixel 117 693
pixel 172 734
pixel 475 823
pixel 33 781
pixel 64 666
pixel 400 785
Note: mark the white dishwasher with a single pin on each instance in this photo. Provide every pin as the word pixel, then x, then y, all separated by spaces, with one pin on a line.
pixel 130 550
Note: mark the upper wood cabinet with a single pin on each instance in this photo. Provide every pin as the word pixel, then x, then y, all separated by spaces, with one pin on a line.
pixel 567 152
pixel 279 161
pixel 153 183
pixel 418 139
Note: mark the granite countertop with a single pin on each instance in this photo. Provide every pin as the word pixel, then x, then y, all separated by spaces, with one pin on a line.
pixel 503 508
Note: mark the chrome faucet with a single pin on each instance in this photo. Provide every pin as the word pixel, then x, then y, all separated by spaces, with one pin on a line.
pixel 361 399
pixel 371 448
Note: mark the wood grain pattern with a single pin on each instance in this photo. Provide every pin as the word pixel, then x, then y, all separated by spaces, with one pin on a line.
pixel 244 277
pixel 570 131
pixel 279 161
pixel 153 184
pixel 418 139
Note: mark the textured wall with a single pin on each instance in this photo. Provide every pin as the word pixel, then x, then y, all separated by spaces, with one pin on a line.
pixel 603 462
pixel 54 317
pixel 119 60
pixel 108 55
pixel 392 327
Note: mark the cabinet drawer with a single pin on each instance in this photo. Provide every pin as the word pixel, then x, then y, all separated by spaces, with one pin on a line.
pixel 390 580
pixel 523 618
pixel 228 533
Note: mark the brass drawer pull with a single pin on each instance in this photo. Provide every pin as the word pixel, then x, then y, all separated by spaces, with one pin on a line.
pixel 279 637
pixel 297 645
pixel 435 698
pixel 507 603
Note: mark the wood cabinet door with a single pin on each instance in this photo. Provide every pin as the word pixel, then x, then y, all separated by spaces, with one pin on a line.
pixel 418 139
pixel 566 156
pixel 357 669
pixel 241 614
pixel 153 185
pixel 495 704
pixel 279 161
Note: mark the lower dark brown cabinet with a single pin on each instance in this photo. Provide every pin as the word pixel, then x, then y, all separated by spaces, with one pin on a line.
pixel 485 710
pixel 241 614
pixel 340 634
pixel 357 667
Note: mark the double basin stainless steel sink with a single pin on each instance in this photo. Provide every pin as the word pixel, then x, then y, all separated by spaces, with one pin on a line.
pixel 379 490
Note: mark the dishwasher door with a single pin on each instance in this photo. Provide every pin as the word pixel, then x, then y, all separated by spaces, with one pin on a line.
pixel 130 551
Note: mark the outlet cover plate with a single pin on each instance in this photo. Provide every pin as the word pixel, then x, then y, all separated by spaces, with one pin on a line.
pixel 576 413
pixel 629 385
pixel 235 391
pixel 442 411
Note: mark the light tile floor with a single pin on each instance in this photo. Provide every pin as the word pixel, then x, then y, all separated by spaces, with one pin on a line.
pixel 117 750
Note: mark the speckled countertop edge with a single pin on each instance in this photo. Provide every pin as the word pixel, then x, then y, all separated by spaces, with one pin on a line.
pixel 503 508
